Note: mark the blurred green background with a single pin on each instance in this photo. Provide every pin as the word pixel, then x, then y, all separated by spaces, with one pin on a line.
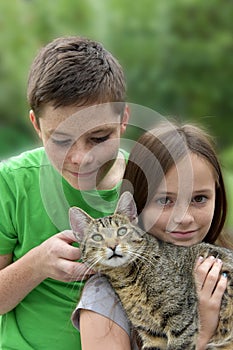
pixel 177 56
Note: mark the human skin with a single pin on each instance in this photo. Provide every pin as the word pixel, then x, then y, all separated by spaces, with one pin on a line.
pixel 56 257
pixel 181 213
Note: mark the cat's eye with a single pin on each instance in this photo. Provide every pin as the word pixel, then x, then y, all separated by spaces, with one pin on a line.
pixel 97 237
pixel 121 231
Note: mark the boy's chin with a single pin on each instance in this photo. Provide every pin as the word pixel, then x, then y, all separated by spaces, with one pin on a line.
pixel 81 184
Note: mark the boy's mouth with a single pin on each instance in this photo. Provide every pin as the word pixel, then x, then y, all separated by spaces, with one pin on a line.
pixel 83 174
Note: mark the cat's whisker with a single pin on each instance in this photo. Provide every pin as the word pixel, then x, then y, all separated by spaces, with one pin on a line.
pixel 148 259
pixel 152 279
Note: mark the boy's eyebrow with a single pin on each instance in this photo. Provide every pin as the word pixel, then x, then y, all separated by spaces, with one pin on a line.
pixel 60 133
pixel 91 131
pixel 103 129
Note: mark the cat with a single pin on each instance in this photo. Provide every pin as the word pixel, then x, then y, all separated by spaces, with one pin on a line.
pixel 153 279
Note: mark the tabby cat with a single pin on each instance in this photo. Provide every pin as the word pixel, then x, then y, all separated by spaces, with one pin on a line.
pixel 153 279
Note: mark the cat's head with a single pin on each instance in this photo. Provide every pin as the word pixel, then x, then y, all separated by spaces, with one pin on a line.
pixel 112 241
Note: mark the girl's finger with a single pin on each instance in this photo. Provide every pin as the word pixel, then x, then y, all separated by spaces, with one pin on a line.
pixel 212 278
pixel 201 270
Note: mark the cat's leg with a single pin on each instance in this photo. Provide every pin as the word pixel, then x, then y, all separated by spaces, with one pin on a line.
pixel 152 342
pixel 181 342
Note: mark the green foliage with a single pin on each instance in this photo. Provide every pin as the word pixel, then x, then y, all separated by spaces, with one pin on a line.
pixel 177 55
pixel 228 177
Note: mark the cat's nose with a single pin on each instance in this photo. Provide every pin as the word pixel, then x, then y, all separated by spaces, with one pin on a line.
pixel 113 247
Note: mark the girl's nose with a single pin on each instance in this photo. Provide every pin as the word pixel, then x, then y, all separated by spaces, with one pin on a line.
pixel 183 216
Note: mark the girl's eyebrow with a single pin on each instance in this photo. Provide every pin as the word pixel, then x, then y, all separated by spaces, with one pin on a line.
pixel 162 193
pixel 204 190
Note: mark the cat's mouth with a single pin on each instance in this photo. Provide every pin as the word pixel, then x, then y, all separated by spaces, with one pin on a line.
pixel 115 256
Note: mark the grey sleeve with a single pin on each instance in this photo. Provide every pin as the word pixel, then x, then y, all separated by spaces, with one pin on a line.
pixel 98 296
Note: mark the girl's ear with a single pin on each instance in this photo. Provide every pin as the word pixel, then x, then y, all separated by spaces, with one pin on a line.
pixel 126 206
pixel 79 220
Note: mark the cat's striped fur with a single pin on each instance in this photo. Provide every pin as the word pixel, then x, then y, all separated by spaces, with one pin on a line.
pixel 153 279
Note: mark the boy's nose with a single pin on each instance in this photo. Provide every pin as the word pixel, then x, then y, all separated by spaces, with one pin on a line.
pixel 79 154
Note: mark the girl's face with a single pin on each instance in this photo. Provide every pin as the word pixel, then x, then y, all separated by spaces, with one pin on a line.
pixel 182 209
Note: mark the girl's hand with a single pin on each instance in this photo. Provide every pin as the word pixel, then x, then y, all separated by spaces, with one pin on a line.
pixel 210 288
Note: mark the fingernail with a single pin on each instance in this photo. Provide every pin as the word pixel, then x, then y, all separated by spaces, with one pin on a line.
pixel 219 261
pixel 212 257
pixel 200 258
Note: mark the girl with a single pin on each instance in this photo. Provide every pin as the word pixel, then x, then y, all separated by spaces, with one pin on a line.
pixel 178 187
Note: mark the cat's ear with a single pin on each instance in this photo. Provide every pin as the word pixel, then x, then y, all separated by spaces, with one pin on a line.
pixel 79 220
pixel 126 205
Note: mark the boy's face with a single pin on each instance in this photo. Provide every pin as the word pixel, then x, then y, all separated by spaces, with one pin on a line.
pixel 82 143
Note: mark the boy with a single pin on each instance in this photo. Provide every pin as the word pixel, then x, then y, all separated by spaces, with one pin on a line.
pixel 76 92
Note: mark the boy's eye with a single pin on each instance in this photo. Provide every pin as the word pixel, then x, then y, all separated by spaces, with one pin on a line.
pixel 63 143
pixel 100 139
pixel 199 199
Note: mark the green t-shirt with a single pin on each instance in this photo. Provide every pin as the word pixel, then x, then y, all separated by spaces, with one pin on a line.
pixel 34 203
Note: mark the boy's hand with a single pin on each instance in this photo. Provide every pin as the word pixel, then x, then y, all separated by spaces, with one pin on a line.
pixel 58 259
pixel 54 258
pixel 210 288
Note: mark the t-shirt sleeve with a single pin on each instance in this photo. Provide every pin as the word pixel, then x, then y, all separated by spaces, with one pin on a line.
pixel 98 296
pixel 8 236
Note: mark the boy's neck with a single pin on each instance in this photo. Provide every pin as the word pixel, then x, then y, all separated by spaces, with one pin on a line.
pixel 114 174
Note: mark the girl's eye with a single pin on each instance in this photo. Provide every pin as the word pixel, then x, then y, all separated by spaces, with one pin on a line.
pixel 199 199
pixel 121 231
pixel 100 139
pixel 97 237
pixel 163 201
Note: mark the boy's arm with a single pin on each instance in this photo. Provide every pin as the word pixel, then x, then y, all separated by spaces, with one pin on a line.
pixel 99 332
pixel 54 258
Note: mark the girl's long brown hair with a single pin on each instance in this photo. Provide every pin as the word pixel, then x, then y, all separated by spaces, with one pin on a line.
pixel 157 151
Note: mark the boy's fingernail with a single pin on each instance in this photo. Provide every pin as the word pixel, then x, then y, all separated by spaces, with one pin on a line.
pixel 200 258
pixel 219 261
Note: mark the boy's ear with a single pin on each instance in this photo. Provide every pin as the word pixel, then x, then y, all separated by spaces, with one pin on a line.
pixel 126 206
pixel 79 220
pixel 35 122
pixel 125 119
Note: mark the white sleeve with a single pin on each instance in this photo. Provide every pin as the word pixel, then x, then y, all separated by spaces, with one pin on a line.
pixel 99 296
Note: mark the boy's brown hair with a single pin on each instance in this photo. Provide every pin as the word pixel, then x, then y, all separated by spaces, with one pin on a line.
pixel 74 71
